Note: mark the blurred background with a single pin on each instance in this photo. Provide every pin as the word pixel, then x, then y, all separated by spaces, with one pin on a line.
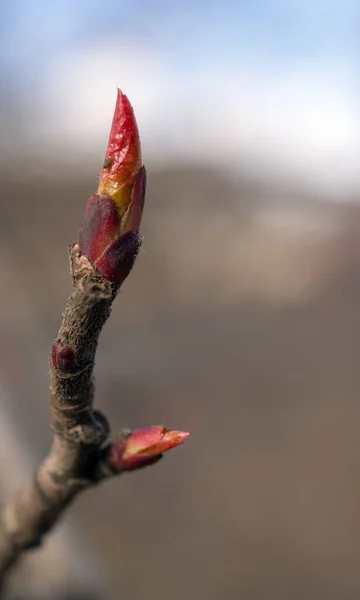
pixel 241 320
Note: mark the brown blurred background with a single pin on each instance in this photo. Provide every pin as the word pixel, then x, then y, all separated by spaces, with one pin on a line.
pixel 241 328
pixel 240 322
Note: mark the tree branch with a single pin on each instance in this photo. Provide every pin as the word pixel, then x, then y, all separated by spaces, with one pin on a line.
pixel 78 455
pixel 82 452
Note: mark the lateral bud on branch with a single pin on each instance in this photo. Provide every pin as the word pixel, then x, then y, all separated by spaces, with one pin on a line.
pixel 143 447
pixel 63 358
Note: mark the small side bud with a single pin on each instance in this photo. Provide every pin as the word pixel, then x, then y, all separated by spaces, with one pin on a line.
pixel 63 358
pixel 144 446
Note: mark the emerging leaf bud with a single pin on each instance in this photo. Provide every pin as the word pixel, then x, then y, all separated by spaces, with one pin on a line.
pixel 144 446
pixel 109 236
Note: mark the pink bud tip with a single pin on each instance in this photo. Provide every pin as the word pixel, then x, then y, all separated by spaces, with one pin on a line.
pixel 62 357
pixel 144 445
pixel 123 154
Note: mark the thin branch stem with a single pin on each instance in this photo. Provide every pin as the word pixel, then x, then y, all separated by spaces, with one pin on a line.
pixel 78 456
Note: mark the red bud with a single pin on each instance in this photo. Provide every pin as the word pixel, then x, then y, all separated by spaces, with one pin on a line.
pixel 109 232
pixel 144 446
pixel 62 357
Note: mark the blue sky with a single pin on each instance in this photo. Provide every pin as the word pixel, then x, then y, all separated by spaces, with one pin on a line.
pixel 186 32
pixel 264 59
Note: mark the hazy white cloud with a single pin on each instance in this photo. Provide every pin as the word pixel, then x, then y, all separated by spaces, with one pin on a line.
pixel 296 124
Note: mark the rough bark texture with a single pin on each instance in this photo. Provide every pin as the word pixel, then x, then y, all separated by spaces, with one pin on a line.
pixel 78 456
